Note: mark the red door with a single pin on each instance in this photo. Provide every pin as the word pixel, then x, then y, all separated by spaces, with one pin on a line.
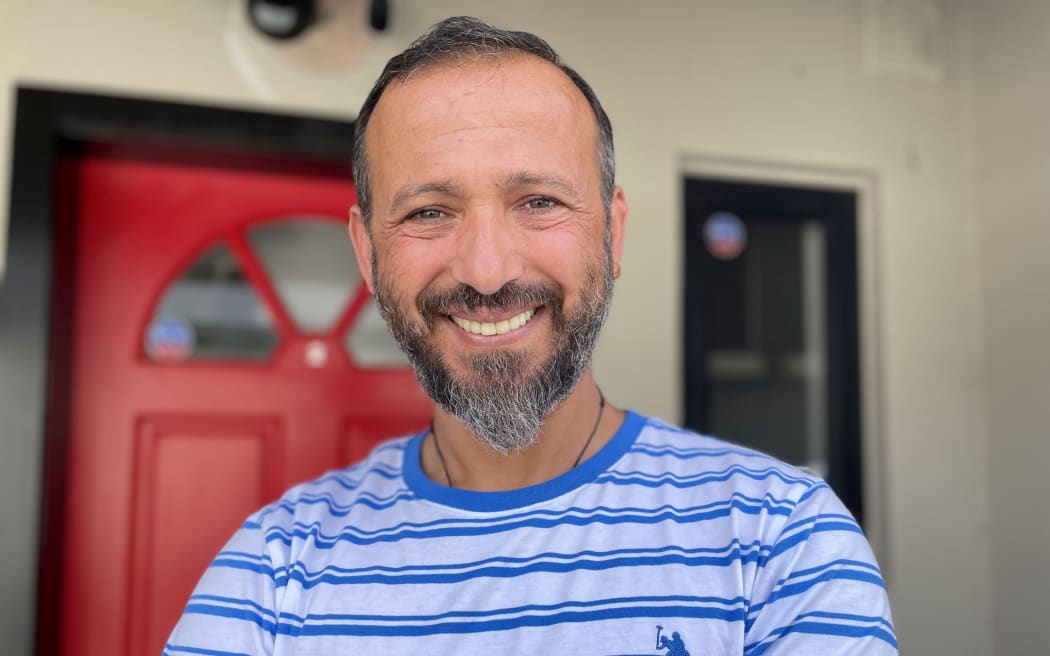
pixel 225 349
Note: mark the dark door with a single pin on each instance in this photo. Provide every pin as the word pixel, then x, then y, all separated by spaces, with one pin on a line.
pixel 224 348
pixel 771 345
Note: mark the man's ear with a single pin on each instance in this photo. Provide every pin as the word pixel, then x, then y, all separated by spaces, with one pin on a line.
pixel 617 224
pixel 362 246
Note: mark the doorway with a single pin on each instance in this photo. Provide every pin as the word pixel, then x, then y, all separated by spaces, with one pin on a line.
pixel 207 343
pixel 770 324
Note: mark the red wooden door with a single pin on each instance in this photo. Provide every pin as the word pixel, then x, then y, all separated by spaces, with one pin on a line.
pixel 224 350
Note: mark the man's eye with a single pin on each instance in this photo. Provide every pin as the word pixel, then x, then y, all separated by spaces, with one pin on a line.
pixel 540 203
pixel 428 213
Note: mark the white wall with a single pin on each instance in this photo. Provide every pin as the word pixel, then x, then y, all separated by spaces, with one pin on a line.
pixel 1013 94
pixel 790 84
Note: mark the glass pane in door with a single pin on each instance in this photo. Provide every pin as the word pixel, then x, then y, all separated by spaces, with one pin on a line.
pixel 210 312
pixel 765 362
pixel 311 264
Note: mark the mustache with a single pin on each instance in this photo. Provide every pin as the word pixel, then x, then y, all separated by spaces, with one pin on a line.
pixel 465 297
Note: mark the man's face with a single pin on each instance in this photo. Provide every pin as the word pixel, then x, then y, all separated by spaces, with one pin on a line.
pixel 490 253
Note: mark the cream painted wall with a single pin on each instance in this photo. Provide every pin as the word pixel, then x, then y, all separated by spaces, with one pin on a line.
pixel 1013 93
pixel 778 83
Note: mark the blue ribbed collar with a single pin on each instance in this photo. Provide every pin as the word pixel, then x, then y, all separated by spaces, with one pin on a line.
pixel 586 472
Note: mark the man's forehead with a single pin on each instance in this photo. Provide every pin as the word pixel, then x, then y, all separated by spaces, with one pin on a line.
pixel 508 79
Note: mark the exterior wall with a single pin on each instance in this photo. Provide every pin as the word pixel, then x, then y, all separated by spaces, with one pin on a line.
pixel 798 85
pixel 1013 91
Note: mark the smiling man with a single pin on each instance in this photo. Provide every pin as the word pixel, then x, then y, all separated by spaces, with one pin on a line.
pixel 490 228
pixel 532 515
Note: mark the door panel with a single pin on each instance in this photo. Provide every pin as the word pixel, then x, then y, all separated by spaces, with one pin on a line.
pixel 183 464
pixel 199 392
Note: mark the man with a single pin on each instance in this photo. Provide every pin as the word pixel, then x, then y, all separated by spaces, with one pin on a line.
pixel 533 515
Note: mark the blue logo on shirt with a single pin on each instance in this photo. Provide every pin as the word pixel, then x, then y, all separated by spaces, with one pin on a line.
pixel 674 645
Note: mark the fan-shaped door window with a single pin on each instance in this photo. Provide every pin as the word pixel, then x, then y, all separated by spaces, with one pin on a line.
pixel 294 278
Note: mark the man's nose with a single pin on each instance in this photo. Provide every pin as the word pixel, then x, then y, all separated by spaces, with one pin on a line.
pixel 487 251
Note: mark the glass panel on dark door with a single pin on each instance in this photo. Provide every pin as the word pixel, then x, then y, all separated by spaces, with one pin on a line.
pixel 764 362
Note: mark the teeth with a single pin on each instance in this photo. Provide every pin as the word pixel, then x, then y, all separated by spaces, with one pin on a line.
pixel 498 328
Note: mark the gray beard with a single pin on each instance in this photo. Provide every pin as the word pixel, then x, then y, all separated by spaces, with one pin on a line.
pixel 503 405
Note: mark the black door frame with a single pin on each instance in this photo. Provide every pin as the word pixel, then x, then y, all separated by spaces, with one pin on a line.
pixel 837 209
pixel 35 293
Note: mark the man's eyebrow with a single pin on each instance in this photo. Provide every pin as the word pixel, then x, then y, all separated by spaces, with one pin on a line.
pixel 408 192
pixel 528 178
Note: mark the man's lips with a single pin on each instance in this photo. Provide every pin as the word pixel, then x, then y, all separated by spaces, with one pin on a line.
pixel 489 328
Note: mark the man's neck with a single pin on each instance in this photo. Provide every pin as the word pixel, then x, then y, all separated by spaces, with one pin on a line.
pixel 562 439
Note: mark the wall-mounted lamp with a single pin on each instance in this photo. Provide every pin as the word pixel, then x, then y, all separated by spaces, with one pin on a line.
pixel 379 15
pixel 287 19
pixel 282 19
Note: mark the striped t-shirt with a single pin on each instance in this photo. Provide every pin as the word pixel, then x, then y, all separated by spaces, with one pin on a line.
pixel 664 542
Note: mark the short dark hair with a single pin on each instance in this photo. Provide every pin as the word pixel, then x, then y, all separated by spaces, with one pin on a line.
pixel 463 37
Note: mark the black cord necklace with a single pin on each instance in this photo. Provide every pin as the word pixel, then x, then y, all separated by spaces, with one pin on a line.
pixel 594 431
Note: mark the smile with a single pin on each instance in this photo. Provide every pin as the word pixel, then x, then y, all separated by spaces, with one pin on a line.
pixel 496 328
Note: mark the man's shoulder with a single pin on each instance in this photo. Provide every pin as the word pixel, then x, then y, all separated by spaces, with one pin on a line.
pixel 677 448
pixel 774 503
pixel 686 469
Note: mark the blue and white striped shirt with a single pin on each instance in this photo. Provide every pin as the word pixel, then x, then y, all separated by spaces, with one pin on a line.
pixel 664 542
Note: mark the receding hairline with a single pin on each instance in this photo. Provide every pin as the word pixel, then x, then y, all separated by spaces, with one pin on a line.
pixel 461 60
pixel 469 58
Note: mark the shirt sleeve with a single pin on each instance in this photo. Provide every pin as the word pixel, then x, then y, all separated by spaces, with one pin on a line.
pixel 232 611
pixel 819 591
